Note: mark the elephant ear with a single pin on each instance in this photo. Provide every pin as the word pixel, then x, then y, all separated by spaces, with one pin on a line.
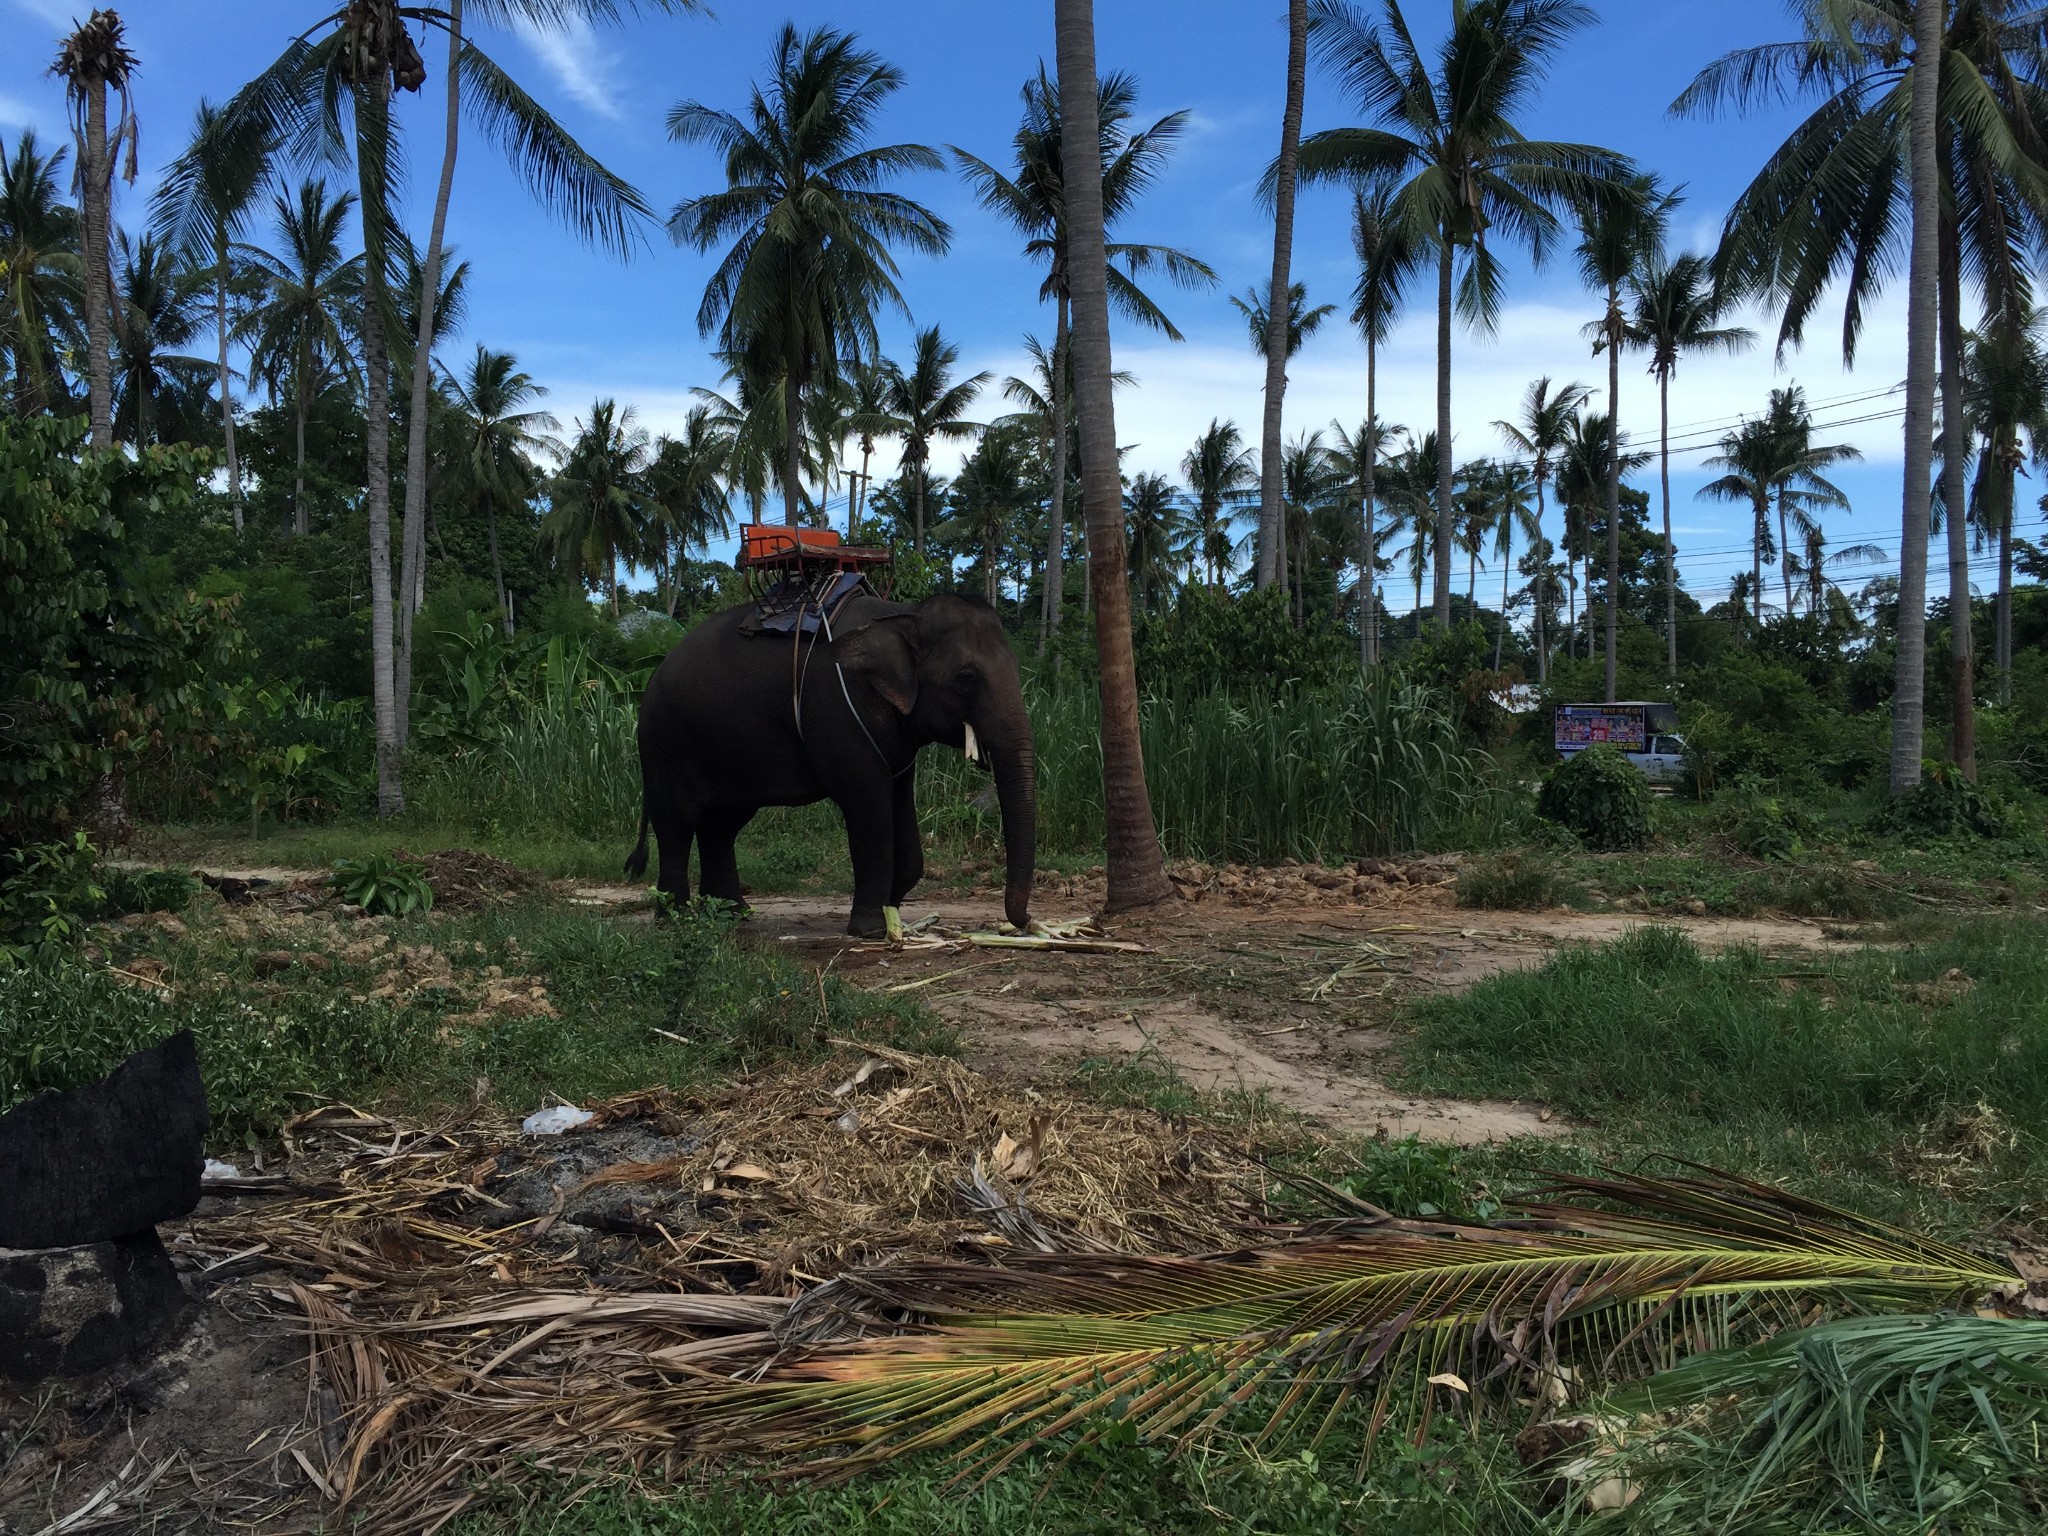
pixel 879 655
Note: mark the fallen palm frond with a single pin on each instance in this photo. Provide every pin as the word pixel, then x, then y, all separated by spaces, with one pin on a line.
pixel 1633 1273
pixel 1892 1415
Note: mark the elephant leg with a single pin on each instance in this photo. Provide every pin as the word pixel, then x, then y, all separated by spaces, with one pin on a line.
pixel 718 863
pixel 871 840
pixel 674 829
pixel 909 844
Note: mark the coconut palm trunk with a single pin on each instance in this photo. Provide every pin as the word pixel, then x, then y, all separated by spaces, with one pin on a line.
pixel 1756 557
pixel 793 458
pixel 1670 556
pixel 96 189
pixel 1136 867
pixel 373 104
pixel 1962 736
pixel 302 521
pixel 2003 642
pixel 1542 584
pixel 1785 548
pixel 413 574
pixel 1507 566
pixel 1442 586
pixel 1056 514
pixel 1909 691
pixel 1614 340
pixel 225 378
pixel 1272 515
pixel 1368 577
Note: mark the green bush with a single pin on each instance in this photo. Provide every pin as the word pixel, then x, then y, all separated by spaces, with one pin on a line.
pixel 1600 795
pixel 1764 825
pixel 1513 882
pixel 146 890
pixel 382 885
pixel 48 893
pixel 1945 804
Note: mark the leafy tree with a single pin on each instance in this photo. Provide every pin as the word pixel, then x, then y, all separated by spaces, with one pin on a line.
pixel 1541 433
pixel 1033 200
pixel 1675 310
pixel 1220 473
pixel 1466 172
pixel 2006 371
pixel 1159 538
pixel 39 257
pixel 687 496
pixel 158 303
pixel 809 223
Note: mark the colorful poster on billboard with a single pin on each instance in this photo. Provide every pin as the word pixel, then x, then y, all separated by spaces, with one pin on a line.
pixel 1583 725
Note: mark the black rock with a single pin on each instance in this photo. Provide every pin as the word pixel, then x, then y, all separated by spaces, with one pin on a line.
pixel 66 1311
pixel 112 1158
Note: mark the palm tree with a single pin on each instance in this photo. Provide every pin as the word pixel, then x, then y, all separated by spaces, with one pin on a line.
pixel 2007 372
pixel 1816 560
pixel 1220 472
pixel 926 404
pixel 310 299
pixel 216 196
pixel 1590 456
pixel 328 97
pixel 1158 535
pixel 1387 257
pixel 1351 458
pixel 157 300
pixel 1676 311
pixel 500 431
pixel 1136 865
pixel 1280 340
pixel 1302 321
pixel 1540 434
pixel 39 267
pixel 1413 484
pixel 1963 139
pixel 1307 482
pixel 1512 511
pixel 809 223
pixel 686 489
pixel 1032 200
pixel 1621 231
pixel 865 415
pixel 1469 171
pixel 93 61
pixel 600 502
pixel 1797 479
pixel 1749 459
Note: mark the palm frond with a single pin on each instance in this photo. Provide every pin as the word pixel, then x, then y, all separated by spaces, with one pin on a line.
pixel 1624 1272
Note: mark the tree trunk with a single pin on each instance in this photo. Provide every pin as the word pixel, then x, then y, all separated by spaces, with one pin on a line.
pixel 1785 551
pixel 1756 563
pixel 1056 515
pixel 1670 553
pixel 1962 735
pixel 497 566
pixel 1909 691
pixel 302 521
pixel 793 458
pixel 372 120
pixel 1443 440
pixel 97 185
pixel 1279 311
pixel 1368 574
pixel 1507 566
pixel 1613 488
pixel 1542 584
pixel 227 402
pixel 2002 643
pixel 1136 867
pixel 413 559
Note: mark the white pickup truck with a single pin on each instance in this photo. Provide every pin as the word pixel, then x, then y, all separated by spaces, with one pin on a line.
pixel 1640 729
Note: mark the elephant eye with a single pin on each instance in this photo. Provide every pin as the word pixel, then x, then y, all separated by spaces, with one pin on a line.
pixel 966 677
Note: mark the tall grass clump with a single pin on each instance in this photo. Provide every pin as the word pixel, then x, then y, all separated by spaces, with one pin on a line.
pixel 1371 765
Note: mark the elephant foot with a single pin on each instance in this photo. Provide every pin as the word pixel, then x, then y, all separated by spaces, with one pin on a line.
pixel 876 923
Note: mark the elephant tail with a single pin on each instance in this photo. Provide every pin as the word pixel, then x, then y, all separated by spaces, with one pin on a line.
pixel 636 861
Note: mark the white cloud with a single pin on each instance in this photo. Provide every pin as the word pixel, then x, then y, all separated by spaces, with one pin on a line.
pixel 588 72
pixel 16 113
pixel 55 13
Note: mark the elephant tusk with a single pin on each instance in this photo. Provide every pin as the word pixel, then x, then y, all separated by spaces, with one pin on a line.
pixel 973 747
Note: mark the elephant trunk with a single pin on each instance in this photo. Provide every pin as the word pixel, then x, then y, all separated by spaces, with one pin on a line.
pixel 1016 769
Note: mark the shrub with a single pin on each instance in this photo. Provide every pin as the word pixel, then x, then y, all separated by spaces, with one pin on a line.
pixel 1600 795
pixel 1945 804
pixel 47 895
pixel 1513 882
pixel 1412 1178
pixel 382 885
pixel 1767 826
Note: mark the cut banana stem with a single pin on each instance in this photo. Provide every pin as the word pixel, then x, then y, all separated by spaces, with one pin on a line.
pixel 892 920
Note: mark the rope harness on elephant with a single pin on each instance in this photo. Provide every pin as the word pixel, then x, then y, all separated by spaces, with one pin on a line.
pixel 798 676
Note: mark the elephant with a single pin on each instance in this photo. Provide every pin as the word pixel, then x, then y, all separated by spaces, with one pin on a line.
pixel 733 720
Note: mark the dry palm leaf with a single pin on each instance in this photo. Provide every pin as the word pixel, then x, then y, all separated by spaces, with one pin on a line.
pixel 1628 1273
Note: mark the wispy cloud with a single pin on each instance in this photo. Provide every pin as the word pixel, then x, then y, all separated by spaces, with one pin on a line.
pixel 588 72
pixel 56 13
pixel 16 113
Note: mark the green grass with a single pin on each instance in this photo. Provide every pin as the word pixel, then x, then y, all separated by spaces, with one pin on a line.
pixel 266 1042
pixel 1909 1083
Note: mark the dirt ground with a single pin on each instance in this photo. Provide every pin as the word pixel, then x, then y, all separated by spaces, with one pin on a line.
pixel 1290 998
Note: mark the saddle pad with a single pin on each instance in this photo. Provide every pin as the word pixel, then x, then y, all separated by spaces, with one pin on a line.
pixel 792 610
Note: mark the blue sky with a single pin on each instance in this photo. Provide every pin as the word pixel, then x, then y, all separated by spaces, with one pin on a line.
pixel 589 326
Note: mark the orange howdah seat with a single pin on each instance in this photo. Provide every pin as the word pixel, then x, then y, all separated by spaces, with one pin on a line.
pixel 770 541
